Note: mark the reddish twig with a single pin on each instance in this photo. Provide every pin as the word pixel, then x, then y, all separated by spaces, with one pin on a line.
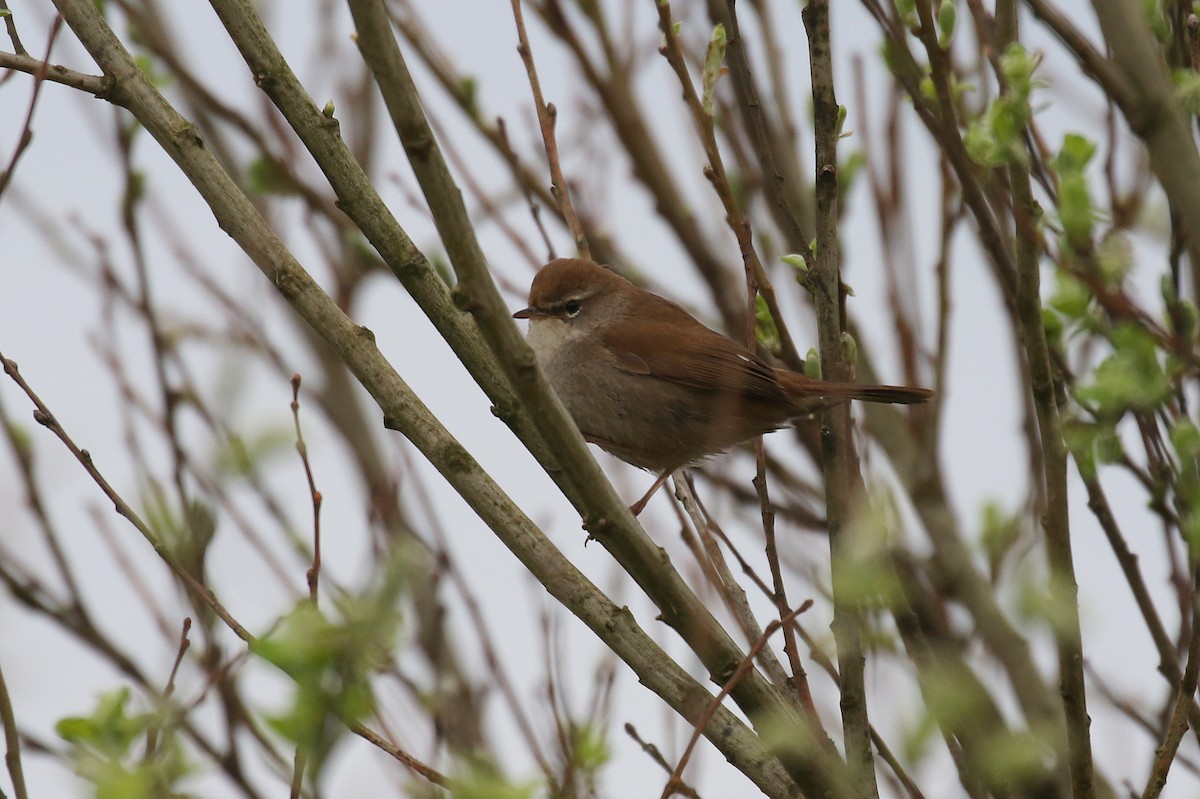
pixel 416 766
pixel 742 670
pixel 184 644
pixel 39 79
pixel 656 755
pixel 547 117
pixel 799 678
pixel 314 571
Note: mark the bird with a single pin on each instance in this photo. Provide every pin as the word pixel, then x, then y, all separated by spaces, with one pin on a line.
pixel 648 383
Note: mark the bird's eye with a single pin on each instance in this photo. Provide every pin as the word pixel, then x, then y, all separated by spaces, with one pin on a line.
pixel 573 307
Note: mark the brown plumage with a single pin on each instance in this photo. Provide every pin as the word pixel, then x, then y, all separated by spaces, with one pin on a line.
pixel 647 382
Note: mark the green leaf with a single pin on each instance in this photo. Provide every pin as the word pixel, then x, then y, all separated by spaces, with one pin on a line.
pixel 765 329
pixel 1185 439
pixel 1080 437
pixel 468 96
pixel 1071 297
pixel 714 58
pixel 241 456
pixel 1131 378
pixel 1114 257
pixel 1053 325
pixel 1074 201
pixel 109 731
pixel 812 363
pixel 797 262
pixel 1000 533
pixel 589 748
pixel 851 348
pixel 998 136
pixel 267 176
pixel 1185 324
pixel 947 14
pixel 331 662
pixel 485 782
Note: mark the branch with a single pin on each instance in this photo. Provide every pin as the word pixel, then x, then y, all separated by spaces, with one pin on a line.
pixel 12 742
pixel 837 446
pixel 1153 113
pixel 97 85
pixel 547 116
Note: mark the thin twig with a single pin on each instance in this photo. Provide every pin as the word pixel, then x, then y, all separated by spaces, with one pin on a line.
pixel 756 276
pixel 838 458
pixel 12 741
pixel 1164 755
pixel 547 118
pixel 154 731
pixel 653 752
pixel 314 572
pixel 11 25
pixel 799 679
pixel 39 79
pixel 44 417
pixel 429 773
pixel 743 668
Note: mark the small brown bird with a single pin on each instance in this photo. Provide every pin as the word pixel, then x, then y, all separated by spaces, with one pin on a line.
pixel 648 383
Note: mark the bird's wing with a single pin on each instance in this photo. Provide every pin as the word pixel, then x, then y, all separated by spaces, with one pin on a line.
pixel 673 346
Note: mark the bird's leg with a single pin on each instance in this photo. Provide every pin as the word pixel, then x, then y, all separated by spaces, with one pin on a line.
pixel 638 506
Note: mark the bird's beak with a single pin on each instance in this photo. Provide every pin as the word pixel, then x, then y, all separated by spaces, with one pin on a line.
pixel 530 313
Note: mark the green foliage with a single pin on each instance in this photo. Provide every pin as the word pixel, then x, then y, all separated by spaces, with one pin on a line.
pixel 1041 598
pixel 765 329
pixel 1071 297
pixel 1114 257
pixel 1000 532
pixel 484 781
pixel 1131 378
pixel 1013 759
pixel 146 65
pixel 1153 12
pixel 812 363
pixel 331 662
pixel 1185 441
pixel 997 138
pixel 947 15
pixel 908 11
pixel 265 175
pixel 241 456
pixel 850 347
pixel 797 263
pixel 1091 444
pixel 1074 201
pixel 21 439
pixel 186 534
pixel 865 559
pixel 1187 91
pixel 1052 323
pixel 468 96
pixel 104 750
pixel 589 748
pixel 714 58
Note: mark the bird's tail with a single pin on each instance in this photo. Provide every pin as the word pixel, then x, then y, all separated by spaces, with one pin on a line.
pixel 803 389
